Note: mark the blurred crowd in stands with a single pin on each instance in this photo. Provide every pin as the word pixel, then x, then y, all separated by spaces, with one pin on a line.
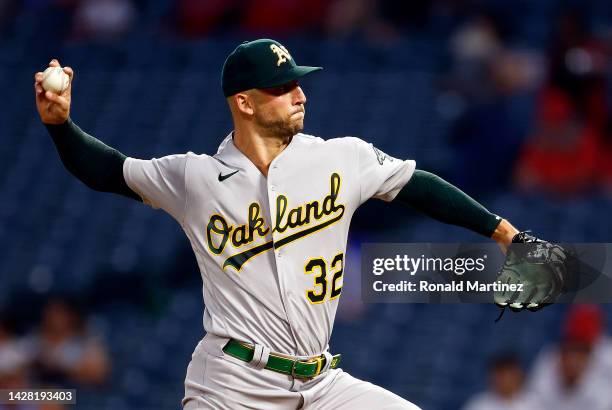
pixel 561 144
pixel 575 374
pixel 61 351
pixel 570 144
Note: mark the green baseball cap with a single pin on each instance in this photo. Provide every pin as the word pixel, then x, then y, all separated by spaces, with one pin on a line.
pixel 262 63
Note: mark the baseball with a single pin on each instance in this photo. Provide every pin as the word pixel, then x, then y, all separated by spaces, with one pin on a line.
pixel 55 80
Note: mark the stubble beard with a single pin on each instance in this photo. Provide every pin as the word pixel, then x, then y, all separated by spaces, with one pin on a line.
pixel 282 128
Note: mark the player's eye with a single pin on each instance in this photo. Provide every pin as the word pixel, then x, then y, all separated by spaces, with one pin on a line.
pixel 281 89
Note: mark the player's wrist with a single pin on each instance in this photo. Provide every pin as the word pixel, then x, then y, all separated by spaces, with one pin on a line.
pixel 58 123
pixel 504 233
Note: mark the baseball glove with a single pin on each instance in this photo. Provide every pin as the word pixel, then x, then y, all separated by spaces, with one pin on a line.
pixel 537 268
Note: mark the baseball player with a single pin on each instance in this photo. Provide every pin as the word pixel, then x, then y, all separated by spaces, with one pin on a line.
pixel 267 217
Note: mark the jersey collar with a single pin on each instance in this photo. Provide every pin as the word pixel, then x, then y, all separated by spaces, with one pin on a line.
pixel 231 156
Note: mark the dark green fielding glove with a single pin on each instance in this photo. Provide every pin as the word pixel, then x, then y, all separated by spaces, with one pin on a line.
pixel 539 266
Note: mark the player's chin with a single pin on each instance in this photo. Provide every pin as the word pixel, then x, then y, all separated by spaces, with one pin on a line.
pixel 298 127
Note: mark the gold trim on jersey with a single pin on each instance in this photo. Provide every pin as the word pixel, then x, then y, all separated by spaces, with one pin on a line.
pixel 240 235
pixel 302 214
pixel 329 287
pixel 219 232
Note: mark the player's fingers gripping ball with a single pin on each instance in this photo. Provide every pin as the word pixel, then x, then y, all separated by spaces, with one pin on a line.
pixel 537 268
pixel 55 80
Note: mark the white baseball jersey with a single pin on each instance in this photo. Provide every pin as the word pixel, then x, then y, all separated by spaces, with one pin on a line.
pixel 270 249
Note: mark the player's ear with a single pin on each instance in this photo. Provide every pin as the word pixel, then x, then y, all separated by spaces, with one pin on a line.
pixel 244 103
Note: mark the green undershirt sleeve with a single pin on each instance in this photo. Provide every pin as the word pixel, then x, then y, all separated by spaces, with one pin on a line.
pixel 433 196
pixel 94 163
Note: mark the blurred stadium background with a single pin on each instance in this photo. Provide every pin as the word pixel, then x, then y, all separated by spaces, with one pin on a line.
pixel 510 100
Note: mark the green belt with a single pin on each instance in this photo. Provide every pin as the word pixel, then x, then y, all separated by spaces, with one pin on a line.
pixel 302 369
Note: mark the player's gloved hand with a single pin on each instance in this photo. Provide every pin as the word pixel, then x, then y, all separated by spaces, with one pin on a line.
pixel 53 108
pixel 539 266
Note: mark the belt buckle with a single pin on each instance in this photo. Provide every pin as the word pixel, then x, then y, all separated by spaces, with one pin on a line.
pixel 318 360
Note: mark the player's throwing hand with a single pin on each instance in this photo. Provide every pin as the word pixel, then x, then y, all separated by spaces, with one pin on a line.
pixel 53 108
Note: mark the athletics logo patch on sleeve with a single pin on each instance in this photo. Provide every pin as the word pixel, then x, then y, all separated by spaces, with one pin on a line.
pixel 381 156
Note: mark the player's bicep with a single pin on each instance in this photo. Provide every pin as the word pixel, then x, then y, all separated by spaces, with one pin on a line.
pixel 160 182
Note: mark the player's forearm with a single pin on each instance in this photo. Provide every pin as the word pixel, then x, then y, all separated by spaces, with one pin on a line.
pixel 433 196
pixel 97 165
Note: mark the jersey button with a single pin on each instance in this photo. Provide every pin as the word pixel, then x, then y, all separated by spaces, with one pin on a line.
pixel 272 188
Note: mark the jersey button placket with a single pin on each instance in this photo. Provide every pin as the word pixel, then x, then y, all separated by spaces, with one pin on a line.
pixel 272 197
pixel 278 253
pixel 287 293
pixel 271 179
pixel 272 194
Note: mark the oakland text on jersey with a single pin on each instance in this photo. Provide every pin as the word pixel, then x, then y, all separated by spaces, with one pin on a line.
pixel 219 231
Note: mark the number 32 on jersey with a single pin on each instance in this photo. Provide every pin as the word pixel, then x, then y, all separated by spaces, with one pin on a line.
pixel 320 269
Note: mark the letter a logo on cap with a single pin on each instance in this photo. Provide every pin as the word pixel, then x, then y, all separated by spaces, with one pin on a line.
pixel 281 52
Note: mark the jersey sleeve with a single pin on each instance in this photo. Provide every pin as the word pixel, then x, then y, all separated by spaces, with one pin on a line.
pixel 160 182
pixel 380 175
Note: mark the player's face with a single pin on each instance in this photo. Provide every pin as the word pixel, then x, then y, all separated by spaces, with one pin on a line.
pixel 280 110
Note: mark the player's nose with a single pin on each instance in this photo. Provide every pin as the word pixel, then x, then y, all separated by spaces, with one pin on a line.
pixel 298 96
